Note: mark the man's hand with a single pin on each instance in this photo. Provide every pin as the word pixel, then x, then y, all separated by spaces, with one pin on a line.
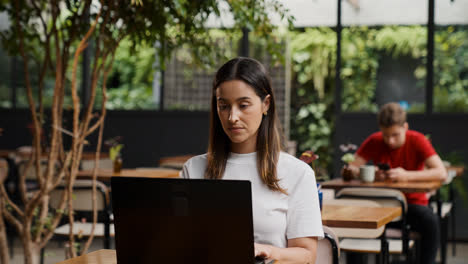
pixel 398 174
pixel 381 175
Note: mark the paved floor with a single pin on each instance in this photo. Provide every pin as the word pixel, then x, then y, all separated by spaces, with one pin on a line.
pixel 55 252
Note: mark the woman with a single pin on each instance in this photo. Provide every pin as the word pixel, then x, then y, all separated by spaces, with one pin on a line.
pixel 245 144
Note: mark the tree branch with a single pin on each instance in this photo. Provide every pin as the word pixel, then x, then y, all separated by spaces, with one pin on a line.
pixel 12 220
pixel 32 106
pixel 48 234
pixel 93 195
pixel 4 195
pixel 4 254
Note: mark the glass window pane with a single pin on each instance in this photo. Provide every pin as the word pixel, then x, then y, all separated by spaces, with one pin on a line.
pixel 187 86
pixel 451 56
pixel 383 54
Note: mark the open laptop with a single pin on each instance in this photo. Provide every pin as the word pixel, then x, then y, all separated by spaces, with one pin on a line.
pixel 180 221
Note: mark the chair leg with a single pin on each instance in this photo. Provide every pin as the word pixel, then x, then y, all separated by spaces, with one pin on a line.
pixel 384 251
pixel 334 248
pixel 42 255
pixel 453 218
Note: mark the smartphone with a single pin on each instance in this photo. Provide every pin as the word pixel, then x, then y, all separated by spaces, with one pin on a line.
pixel 383 166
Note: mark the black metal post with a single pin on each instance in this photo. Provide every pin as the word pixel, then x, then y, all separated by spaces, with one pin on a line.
pixel 336 162
pixel 338 63
pixel 161 92
pixel 13 83
pixel 430 59
pixel 244 47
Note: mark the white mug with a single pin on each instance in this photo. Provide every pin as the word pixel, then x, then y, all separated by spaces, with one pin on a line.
pixel 367 173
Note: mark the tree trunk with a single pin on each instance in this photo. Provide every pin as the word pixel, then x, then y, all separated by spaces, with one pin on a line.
pixel 32 252
pixel 4 254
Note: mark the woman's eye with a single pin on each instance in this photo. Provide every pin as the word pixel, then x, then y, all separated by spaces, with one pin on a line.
pixel 242 106
pixel 222 107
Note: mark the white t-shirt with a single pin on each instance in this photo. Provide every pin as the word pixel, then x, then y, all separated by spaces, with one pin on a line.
pixel 276 217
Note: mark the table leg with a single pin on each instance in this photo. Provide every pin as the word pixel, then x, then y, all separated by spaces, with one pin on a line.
pixel 452 216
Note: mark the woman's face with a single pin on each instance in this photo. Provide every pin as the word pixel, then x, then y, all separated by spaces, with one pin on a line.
pixel 240 110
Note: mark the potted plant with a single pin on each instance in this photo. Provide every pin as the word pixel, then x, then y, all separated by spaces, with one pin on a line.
pixel 115 146
pixel 309 157
pixel 347 158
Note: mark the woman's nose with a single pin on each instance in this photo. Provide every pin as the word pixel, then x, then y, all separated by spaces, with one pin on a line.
pixel 234 115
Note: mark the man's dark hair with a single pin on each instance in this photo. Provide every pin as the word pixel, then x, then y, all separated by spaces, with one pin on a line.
pixel 391 114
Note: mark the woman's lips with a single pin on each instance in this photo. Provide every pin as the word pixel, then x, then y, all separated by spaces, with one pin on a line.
pixel 235 129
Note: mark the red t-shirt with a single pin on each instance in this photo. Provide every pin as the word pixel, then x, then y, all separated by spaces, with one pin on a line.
pixel 410 156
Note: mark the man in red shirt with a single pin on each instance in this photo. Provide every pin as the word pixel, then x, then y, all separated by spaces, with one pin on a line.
pixel 410 157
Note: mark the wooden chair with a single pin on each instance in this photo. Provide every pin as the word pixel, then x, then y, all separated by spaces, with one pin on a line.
pixel 82 202
pixel 353 240
pixel 328 248
pixel 386 198
pixel 31 176
pixel 104 163
pixel 447 212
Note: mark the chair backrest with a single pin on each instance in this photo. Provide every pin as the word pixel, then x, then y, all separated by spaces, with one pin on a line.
pixel 356 232
pixel 385 197
pixel 31 171
pixel 82 196
pixel 328 248
pixel 328 194
pixel 103 164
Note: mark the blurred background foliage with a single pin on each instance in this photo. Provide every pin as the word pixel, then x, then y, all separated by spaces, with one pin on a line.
pixel 130 83
pixel 313 66
pixel 313 56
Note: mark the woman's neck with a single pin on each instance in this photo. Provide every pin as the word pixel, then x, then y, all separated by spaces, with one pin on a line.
pixel 244 147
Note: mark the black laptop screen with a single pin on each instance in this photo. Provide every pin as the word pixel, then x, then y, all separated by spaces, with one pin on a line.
pixel 182 221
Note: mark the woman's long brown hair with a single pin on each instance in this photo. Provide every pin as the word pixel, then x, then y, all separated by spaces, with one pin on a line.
pixel 268 147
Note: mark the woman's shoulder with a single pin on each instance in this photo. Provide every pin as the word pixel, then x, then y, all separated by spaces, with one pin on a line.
pixel 294 173
pixel 195 167
pixel 197 158
pixel 292 164
pixel 196 161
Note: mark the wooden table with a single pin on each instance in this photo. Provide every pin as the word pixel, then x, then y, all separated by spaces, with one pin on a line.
pixel 332 215
pixel 86 155
pixel 103 256
pixel 406 187
pixel 107 174
pixel 176 162
pixel 358 217
pixel 459 170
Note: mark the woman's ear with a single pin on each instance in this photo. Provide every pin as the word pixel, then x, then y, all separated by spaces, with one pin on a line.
pixel 266 103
